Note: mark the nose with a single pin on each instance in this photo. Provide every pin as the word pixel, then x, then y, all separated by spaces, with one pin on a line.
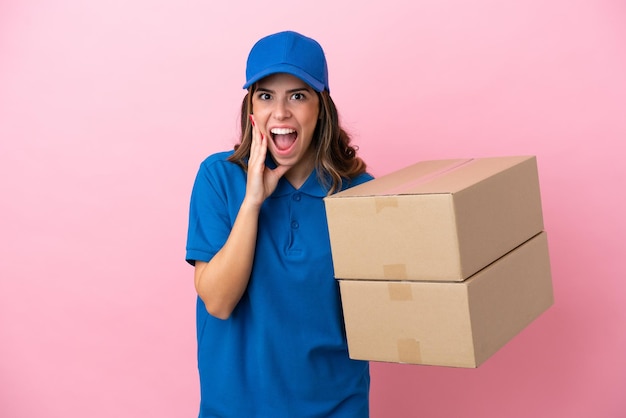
pixel 281 110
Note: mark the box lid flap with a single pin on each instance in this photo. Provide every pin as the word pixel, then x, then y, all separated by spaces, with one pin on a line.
pixel 433 177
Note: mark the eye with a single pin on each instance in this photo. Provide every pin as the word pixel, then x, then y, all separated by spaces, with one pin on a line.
pixel 298 96
pixel 264 96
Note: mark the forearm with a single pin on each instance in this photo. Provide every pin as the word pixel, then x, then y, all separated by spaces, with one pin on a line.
pixel 221 282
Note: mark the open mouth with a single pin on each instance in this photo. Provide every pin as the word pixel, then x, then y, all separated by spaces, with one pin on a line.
pixel 283 138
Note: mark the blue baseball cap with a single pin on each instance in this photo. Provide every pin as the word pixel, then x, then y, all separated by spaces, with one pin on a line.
pixel 288 52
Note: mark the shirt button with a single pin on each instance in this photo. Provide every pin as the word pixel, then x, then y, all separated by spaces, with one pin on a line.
pixel 297 197
pixel 295 225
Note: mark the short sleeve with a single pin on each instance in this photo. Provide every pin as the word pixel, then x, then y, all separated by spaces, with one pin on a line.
pixel 210 218
pixel 360 179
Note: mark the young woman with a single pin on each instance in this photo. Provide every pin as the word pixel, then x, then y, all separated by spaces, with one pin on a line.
pixel 271 341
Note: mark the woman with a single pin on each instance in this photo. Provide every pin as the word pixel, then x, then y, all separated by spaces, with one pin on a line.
pixel 271 341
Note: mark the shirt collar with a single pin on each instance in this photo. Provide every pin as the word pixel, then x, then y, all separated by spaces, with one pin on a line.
pixel 312 186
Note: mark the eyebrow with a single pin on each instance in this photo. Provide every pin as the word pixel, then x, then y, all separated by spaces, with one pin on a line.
pixel 303 88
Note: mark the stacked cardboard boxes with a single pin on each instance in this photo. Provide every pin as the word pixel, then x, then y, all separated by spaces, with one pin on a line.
pixel 442 262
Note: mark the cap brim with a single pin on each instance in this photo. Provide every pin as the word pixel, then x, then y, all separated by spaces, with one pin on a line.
pixel 288 69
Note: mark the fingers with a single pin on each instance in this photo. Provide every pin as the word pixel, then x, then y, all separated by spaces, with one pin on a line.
pixel 258 149
pixel 262 181
pixel 255 188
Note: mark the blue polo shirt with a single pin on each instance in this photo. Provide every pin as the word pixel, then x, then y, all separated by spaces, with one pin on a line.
pixel 282 352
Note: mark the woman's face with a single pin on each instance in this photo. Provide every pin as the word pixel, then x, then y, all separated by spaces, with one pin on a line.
pixel 286 110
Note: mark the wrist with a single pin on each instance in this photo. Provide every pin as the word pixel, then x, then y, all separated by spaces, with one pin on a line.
pixel 250 206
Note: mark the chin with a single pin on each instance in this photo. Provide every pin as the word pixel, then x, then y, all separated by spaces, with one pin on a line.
pixel 288 161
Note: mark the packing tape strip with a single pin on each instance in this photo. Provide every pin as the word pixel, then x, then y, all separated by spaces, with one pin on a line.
pixel 394 271
pixel 407 186
pixel 383 202
pixel 409 351
pixel 400 291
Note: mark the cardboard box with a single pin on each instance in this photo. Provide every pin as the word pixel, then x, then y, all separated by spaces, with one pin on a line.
pixel 448 324
pixel 435 220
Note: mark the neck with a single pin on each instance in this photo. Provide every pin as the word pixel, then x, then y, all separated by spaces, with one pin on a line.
pixel 299 173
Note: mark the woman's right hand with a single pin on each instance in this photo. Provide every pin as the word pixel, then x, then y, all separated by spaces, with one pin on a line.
pixel 262 180
pixel 221 282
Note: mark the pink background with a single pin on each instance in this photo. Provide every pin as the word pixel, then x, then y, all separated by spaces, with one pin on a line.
pixel 107 108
